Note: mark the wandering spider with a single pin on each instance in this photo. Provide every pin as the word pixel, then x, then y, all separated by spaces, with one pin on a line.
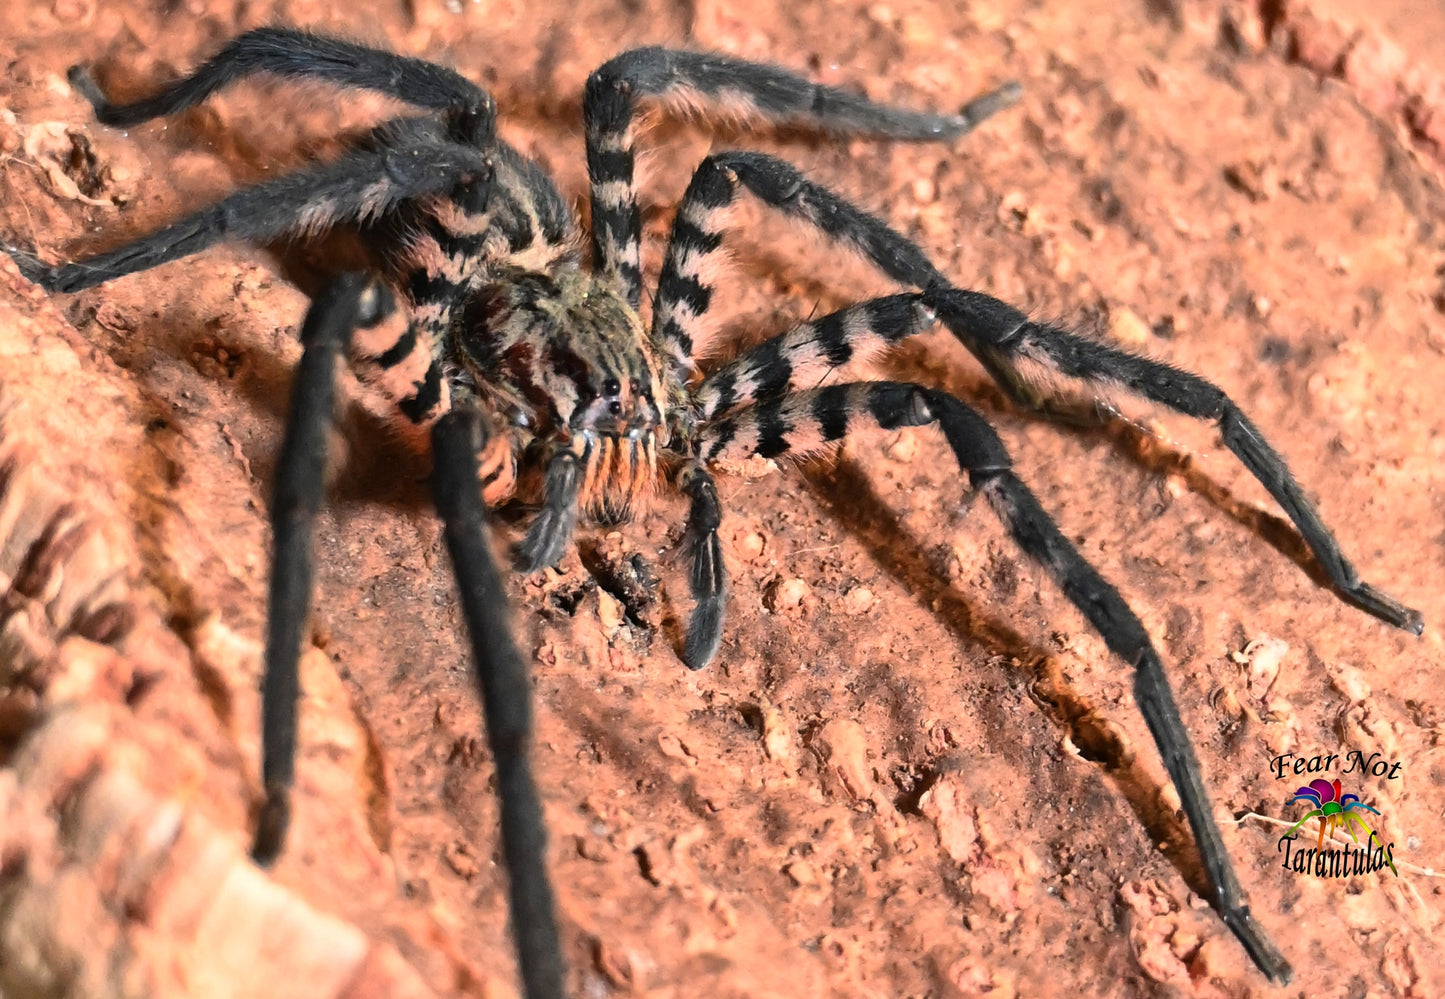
pixel 537 380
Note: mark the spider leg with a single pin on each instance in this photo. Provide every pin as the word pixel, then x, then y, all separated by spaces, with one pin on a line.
pixel 287 52
pixel 809 353
pixel 348 302
pixel 457 439
pixel 990 329
pixel 985 324
pixel 408 160
pixel 552 528
pixel 707 573
pixel 741 89
pixel 810 420
pixel 401 358
pixel 684 290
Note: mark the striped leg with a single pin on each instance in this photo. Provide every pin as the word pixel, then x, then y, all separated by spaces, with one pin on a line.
pixel 402 358
pixel 684 290
pixel 404 160
pixel 738 89
pixel 1001 336
pixel 807 421
pixel 408 160
pixel 450 244
pixel 809 354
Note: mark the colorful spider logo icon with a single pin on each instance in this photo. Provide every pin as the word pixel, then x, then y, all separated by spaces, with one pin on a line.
pixel 1332 809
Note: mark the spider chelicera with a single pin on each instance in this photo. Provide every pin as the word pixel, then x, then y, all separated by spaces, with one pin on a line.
pixel 536 377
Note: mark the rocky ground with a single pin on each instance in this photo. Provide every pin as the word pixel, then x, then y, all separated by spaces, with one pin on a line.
pixel 912 770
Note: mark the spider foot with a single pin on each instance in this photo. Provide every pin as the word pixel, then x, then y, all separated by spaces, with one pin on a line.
pixel 704 631
pixel 1261 949
pixel 1383 606
pixel 551 530
pixel 271 826
pixel 707 576
pixel 987 105
pixel 31 267
pixel 546 541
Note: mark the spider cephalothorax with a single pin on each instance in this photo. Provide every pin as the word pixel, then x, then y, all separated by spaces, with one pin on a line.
pixel 534 374
pixel 566 361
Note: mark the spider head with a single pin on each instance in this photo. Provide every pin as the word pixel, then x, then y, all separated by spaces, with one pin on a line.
pixel 572 352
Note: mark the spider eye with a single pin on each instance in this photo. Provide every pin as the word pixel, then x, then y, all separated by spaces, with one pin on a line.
pixel 611 387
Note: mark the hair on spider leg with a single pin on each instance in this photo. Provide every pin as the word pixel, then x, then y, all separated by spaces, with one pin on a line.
pixel 521 359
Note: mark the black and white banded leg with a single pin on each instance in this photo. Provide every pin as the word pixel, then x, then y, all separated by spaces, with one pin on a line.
pixel 811 353
pixel 401 161
pixel 1003 335
pixel 990 327
pixel 684 289
pixel 739 89
pixel 406 162
pixel 807 421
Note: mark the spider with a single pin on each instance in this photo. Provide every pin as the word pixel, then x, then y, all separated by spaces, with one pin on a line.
pixel 537 379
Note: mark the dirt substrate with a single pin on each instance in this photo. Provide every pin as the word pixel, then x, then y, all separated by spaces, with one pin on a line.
pixel 912 769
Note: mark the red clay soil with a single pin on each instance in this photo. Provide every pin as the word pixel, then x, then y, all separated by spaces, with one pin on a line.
pixel 912 769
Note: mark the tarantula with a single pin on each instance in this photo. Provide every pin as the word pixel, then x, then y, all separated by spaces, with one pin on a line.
pixel 536 375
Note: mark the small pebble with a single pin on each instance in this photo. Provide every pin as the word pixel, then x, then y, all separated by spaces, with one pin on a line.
pixel 1127 328
pixel 903 449
pixel 801 872
pixel 787 594
pixel 609 612
pixel 858 600
pixel 751 545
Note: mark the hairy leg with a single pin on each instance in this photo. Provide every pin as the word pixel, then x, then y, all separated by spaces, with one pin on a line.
pixel 347 303
pixel 1005 336
pixel 506 691
pixel 707 574
pixel 811 353
pixel 287 52
pixel 737 88
pixel 806 421
pixel 405 161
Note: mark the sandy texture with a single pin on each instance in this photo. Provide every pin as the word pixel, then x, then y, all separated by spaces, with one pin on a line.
pixel 912 770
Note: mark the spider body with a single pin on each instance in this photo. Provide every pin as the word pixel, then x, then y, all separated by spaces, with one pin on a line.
pixel 535 375
pixel 567 362
pixel 504 315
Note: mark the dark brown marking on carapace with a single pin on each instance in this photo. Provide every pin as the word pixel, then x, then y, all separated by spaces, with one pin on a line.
pixel 566 353
pixel 567 358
